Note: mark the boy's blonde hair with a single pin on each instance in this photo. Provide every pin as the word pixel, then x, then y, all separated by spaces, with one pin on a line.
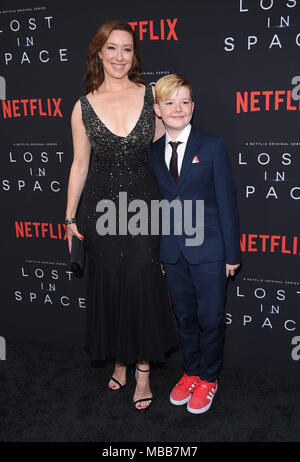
pixel 165 86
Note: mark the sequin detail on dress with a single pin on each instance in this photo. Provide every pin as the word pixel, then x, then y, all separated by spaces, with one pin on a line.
pixel 128 313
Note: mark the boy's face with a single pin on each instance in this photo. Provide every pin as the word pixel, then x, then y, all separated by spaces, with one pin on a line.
pixel 176 112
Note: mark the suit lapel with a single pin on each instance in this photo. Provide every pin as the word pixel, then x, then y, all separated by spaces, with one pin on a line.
pixel 190 151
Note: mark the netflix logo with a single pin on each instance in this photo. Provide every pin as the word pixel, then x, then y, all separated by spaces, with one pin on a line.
pixel 269 243
pixel 36 229
pixel 30 107
pixel 161 29
pixel 268 100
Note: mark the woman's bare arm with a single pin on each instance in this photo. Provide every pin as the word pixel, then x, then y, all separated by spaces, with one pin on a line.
pixel 79 168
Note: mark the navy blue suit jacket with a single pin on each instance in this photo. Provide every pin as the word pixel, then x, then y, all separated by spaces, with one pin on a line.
pixel 209 180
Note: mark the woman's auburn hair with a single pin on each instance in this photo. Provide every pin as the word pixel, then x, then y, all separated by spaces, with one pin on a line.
pixel 94 75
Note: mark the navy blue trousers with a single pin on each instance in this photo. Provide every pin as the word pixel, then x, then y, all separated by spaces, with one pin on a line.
pixel 198 298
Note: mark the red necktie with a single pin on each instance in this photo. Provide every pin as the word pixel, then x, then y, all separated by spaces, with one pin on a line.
pixel 174 160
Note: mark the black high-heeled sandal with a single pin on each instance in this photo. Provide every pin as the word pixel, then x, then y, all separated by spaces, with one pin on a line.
pixel 118 383
pixel 141 400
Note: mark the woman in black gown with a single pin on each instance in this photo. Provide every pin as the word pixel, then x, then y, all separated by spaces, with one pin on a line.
pixel 128 314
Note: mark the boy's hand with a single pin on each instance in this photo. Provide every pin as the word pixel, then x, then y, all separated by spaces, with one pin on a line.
pixel 230 269
pixel 162 269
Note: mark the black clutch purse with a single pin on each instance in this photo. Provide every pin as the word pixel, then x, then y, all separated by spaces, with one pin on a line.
pixel 77 257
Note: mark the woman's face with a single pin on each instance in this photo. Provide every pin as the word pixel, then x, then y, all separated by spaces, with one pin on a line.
pixel 117 54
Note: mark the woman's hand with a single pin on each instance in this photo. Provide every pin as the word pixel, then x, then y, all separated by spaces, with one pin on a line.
pixel 230 269
pixel 72 230
pixel 162 269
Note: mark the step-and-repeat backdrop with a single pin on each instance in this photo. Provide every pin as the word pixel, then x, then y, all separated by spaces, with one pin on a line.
pixel 242 58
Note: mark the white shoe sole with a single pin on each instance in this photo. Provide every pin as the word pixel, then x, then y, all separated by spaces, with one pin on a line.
pixel 203 409
pixel 180 403
pixel 199 411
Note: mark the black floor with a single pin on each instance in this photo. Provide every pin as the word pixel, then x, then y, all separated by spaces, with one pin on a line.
pixel 53 394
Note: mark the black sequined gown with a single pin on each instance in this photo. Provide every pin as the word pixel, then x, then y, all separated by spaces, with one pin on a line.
pixel 128 313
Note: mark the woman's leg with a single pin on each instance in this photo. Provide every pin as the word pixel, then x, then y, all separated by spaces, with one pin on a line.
pixel 120 375
pixel 142 389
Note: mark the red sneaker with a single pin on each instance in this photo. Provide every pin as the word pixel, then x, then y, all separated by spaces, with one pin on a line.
pixel 202 397
pixel 183 390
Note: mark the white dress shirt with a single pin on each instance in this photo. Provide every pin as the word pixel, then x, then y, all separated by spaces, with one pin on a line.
pixel 183 137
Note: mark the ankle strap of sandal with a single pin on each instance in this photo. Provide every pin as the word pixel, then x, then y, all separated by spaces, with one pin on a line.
pixel 142 370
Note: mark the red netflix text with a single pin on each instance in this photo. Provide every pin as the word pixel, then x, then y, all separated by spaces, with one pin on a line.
pixel 270 243
pixel 36 229
pixel 30 107
pixel 162 29
pixel 268 100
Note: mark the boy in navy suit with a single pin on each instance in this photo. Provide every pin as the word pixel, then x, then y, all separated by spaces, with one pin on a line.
pixel 193 166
